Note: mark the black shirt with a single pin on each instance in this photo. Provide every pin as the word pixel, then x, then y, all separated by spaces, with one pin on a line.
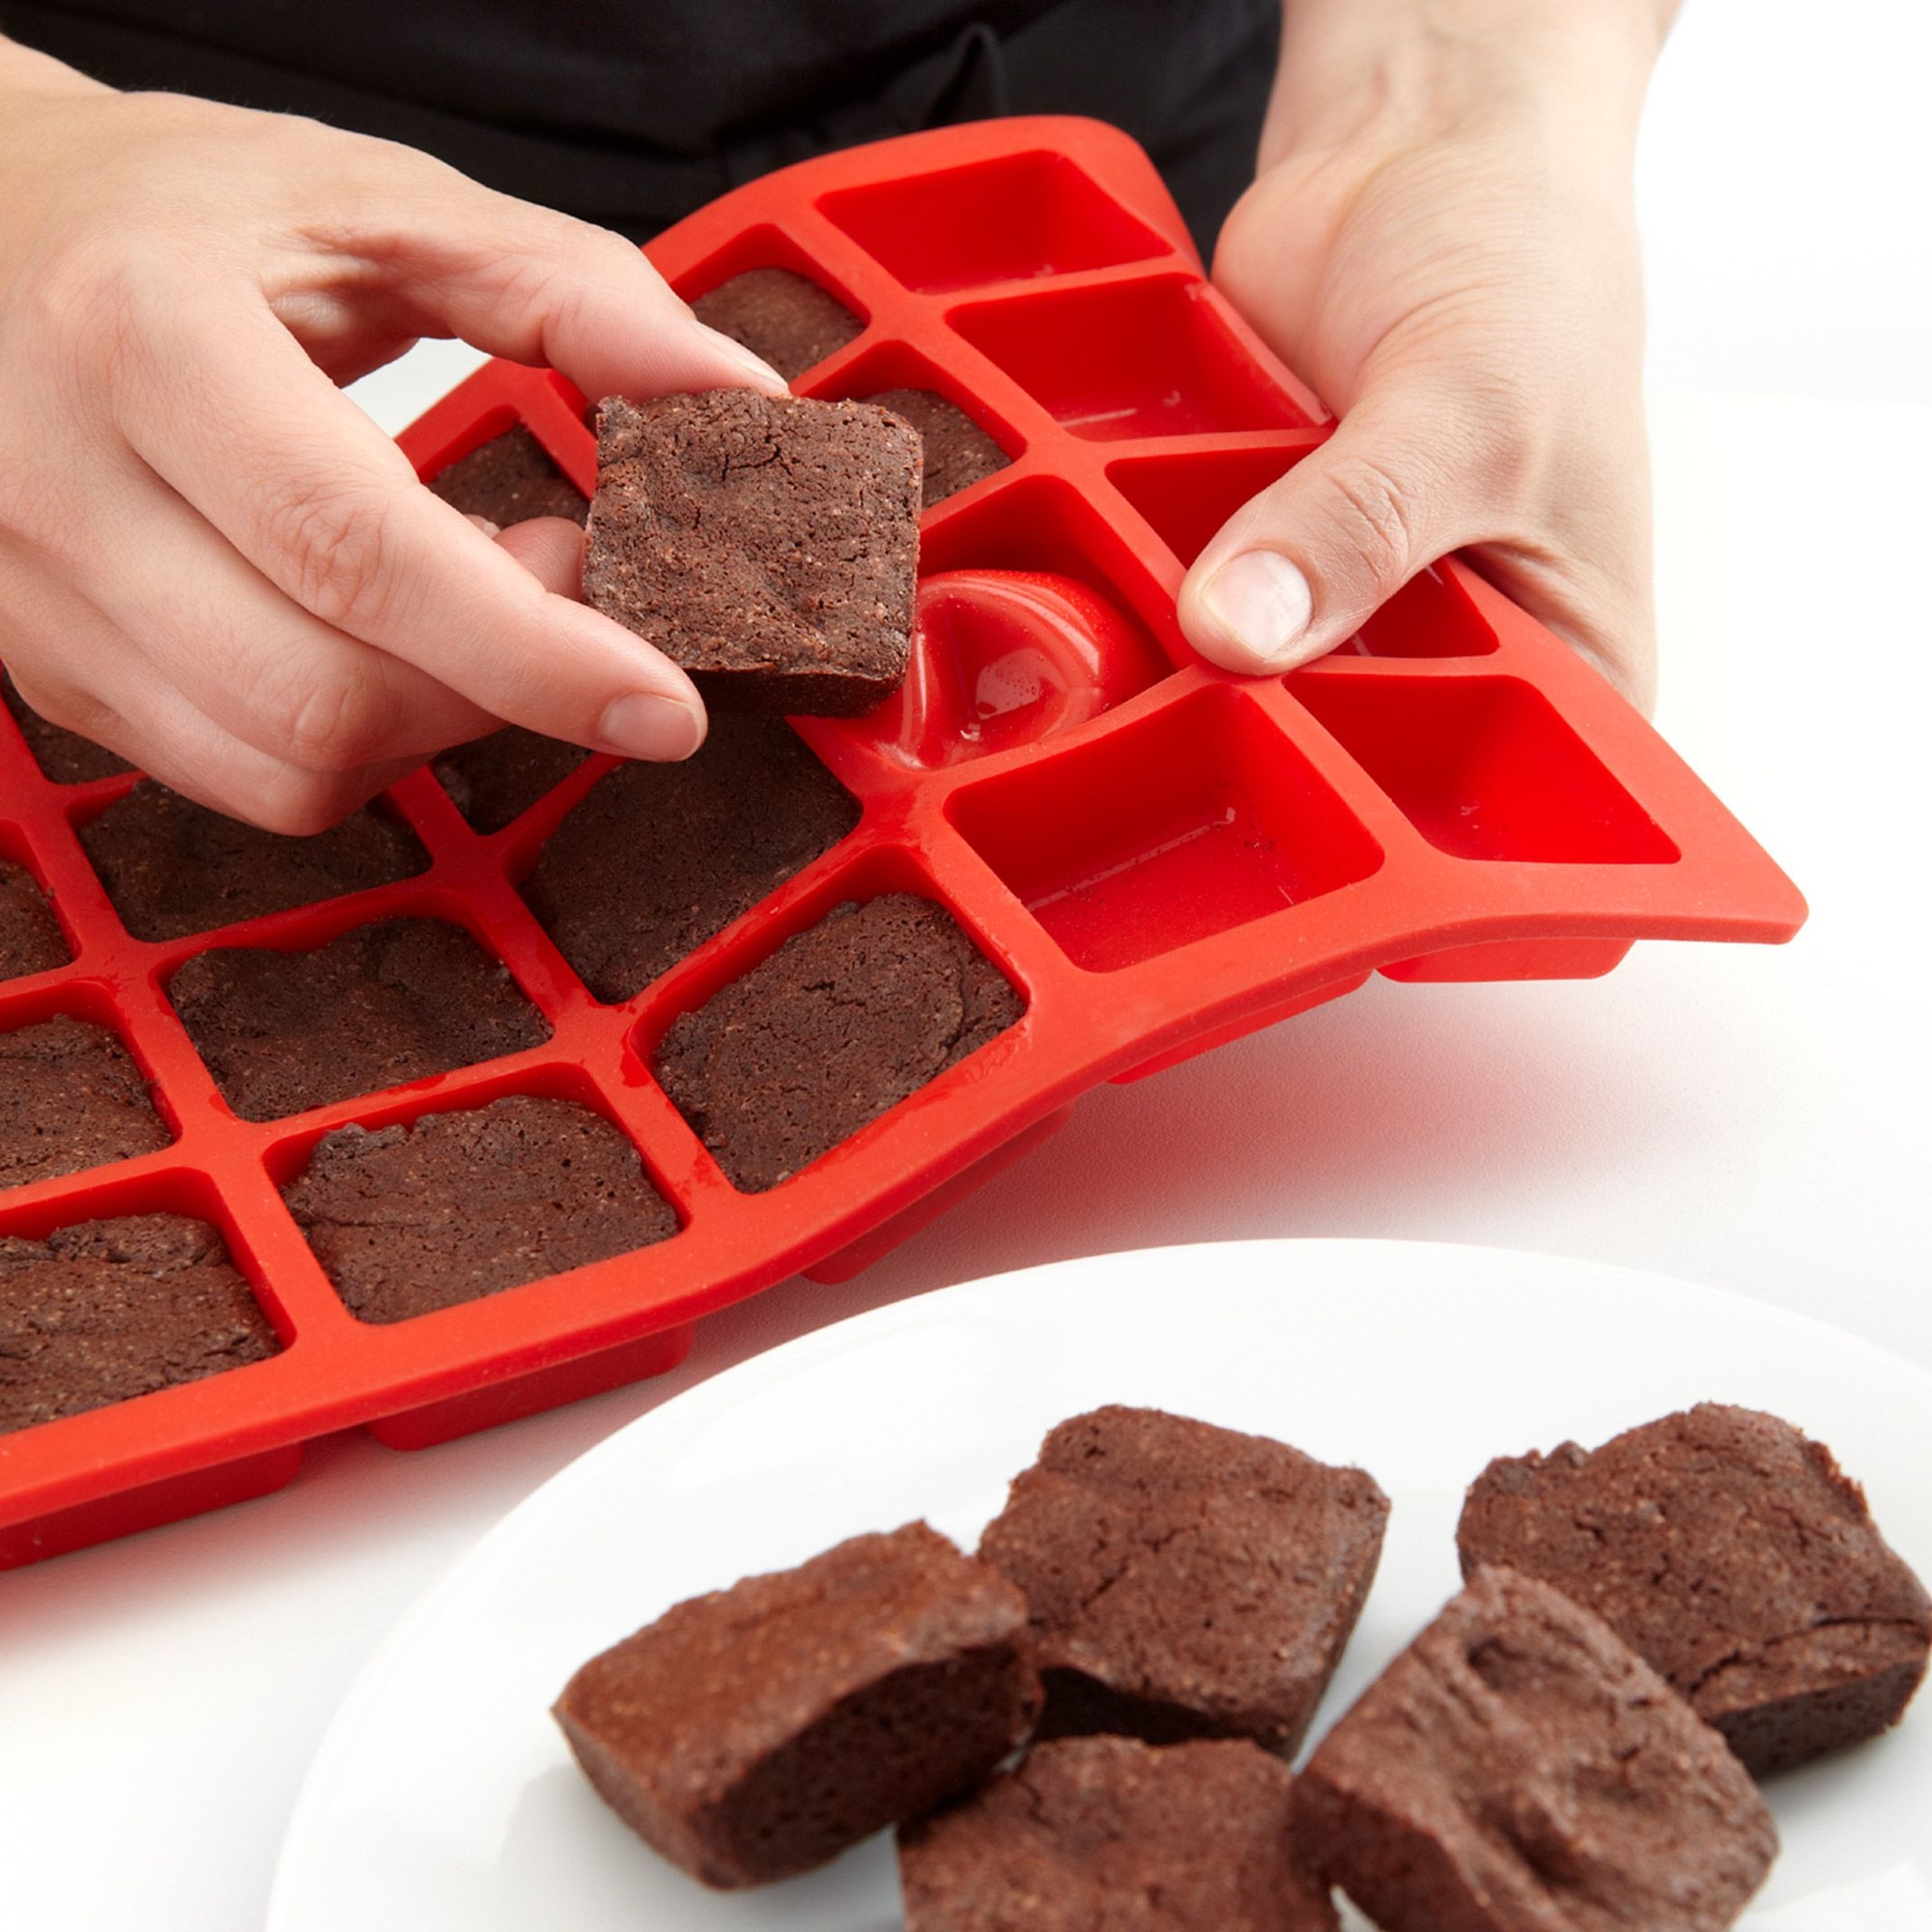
pixel 632 114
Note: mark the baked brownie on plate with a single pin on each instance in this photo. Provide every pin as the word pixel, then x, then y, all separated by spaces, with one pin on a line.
pixel 1107 1834
pixel 1186 1580
pixel 765 543
pixel 758 1731
pixel 1734 1555
pixel 1520 1769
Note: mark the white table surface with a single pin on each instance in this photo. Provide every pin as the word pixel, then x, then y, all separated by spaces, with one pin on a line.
pixel 1750 1118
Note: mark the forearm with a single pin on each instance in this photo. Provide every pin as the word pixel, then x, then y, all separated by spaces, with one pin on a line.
pixel 1435 64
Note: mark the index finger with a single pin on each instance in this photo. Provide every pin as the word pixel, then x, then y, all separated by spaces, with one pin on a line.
pixel 328 510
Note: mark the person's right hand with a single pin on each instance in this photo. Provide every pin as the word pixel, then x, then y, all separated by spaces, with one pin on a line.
pixel 210 561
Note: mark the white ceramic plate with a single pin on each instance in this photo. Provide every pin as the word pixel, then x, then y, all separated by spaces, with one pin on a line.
pixel 443 1796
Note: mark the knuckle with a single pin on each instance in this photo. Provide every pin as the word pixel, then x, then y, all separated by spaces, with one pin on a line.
pixel 299 804
pixel 335 546
pixel 331 725
pixel 80 307
pixel 1378 516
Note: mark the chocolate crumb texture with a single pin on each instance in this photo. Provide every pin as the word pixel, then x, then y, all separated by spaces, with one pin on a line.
pixel 103 1311
pixel 31 940
pixel 1088 1835
pixel 656 859
pixel 1186 1580
pixel 494 780
pixel 172 867
pixel 510 479
pixel 70 1098
pixel 958 452
pixel 767 544
pixel 845 1020
pixel 785 318
pixel 411 1218
pixel 1734 1555
pixel 381 1005
pixel 1520 1769
pixel 758 1731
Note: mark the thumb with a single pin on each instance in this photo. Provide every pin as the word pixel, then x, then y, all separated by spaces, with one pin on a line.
pixel 1299 569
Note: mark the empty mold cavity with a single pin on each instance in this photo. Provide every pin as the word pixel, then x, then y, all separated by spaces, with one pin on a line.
pixel 1137 358
pixel 1485 768
pixel 1187 496
pixel 1187 823
pixel 1431 617
pixel 1006 221
pixel 1001 659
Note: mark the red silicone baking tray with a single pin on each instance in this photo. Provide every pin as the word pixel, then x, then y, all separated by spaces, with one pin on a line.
pixel 1161 856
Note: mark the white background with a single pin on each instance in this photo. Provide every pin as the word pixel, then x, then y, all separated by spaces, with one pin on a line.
pixel 1752 1118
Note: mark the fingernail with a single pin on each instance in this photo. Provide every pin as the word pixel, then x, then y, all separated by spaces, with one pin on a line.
pixel 1263 604
pixel 645 726
pixel 484 525
pixel 754 366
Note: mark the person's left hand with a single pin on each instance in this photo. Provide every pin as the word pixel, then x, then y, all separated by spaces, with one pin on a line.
pixel 1453 267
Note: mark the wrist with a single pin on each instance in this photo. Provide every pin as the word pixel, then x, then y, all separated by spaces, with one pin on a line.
pixel 1400 71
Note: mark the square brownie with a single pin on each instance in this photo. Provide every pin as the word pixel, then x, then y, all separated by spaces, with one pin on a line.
pixel 409 1219
pixel 958 452
pixel 766 544
pixel 65 757
pixel 758 1731
pixel 172 867
pixel 1520 1769
pixel 510 479
pixel 840 1024
pixel 383 1005
pixel 655 859
pixel 1733 1555
pixel 1107 1834
pixel 786 319
pixel 494 780
pixel 31 940
pixel 1186 1580
pixel 70 1098
pixel 103 1311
